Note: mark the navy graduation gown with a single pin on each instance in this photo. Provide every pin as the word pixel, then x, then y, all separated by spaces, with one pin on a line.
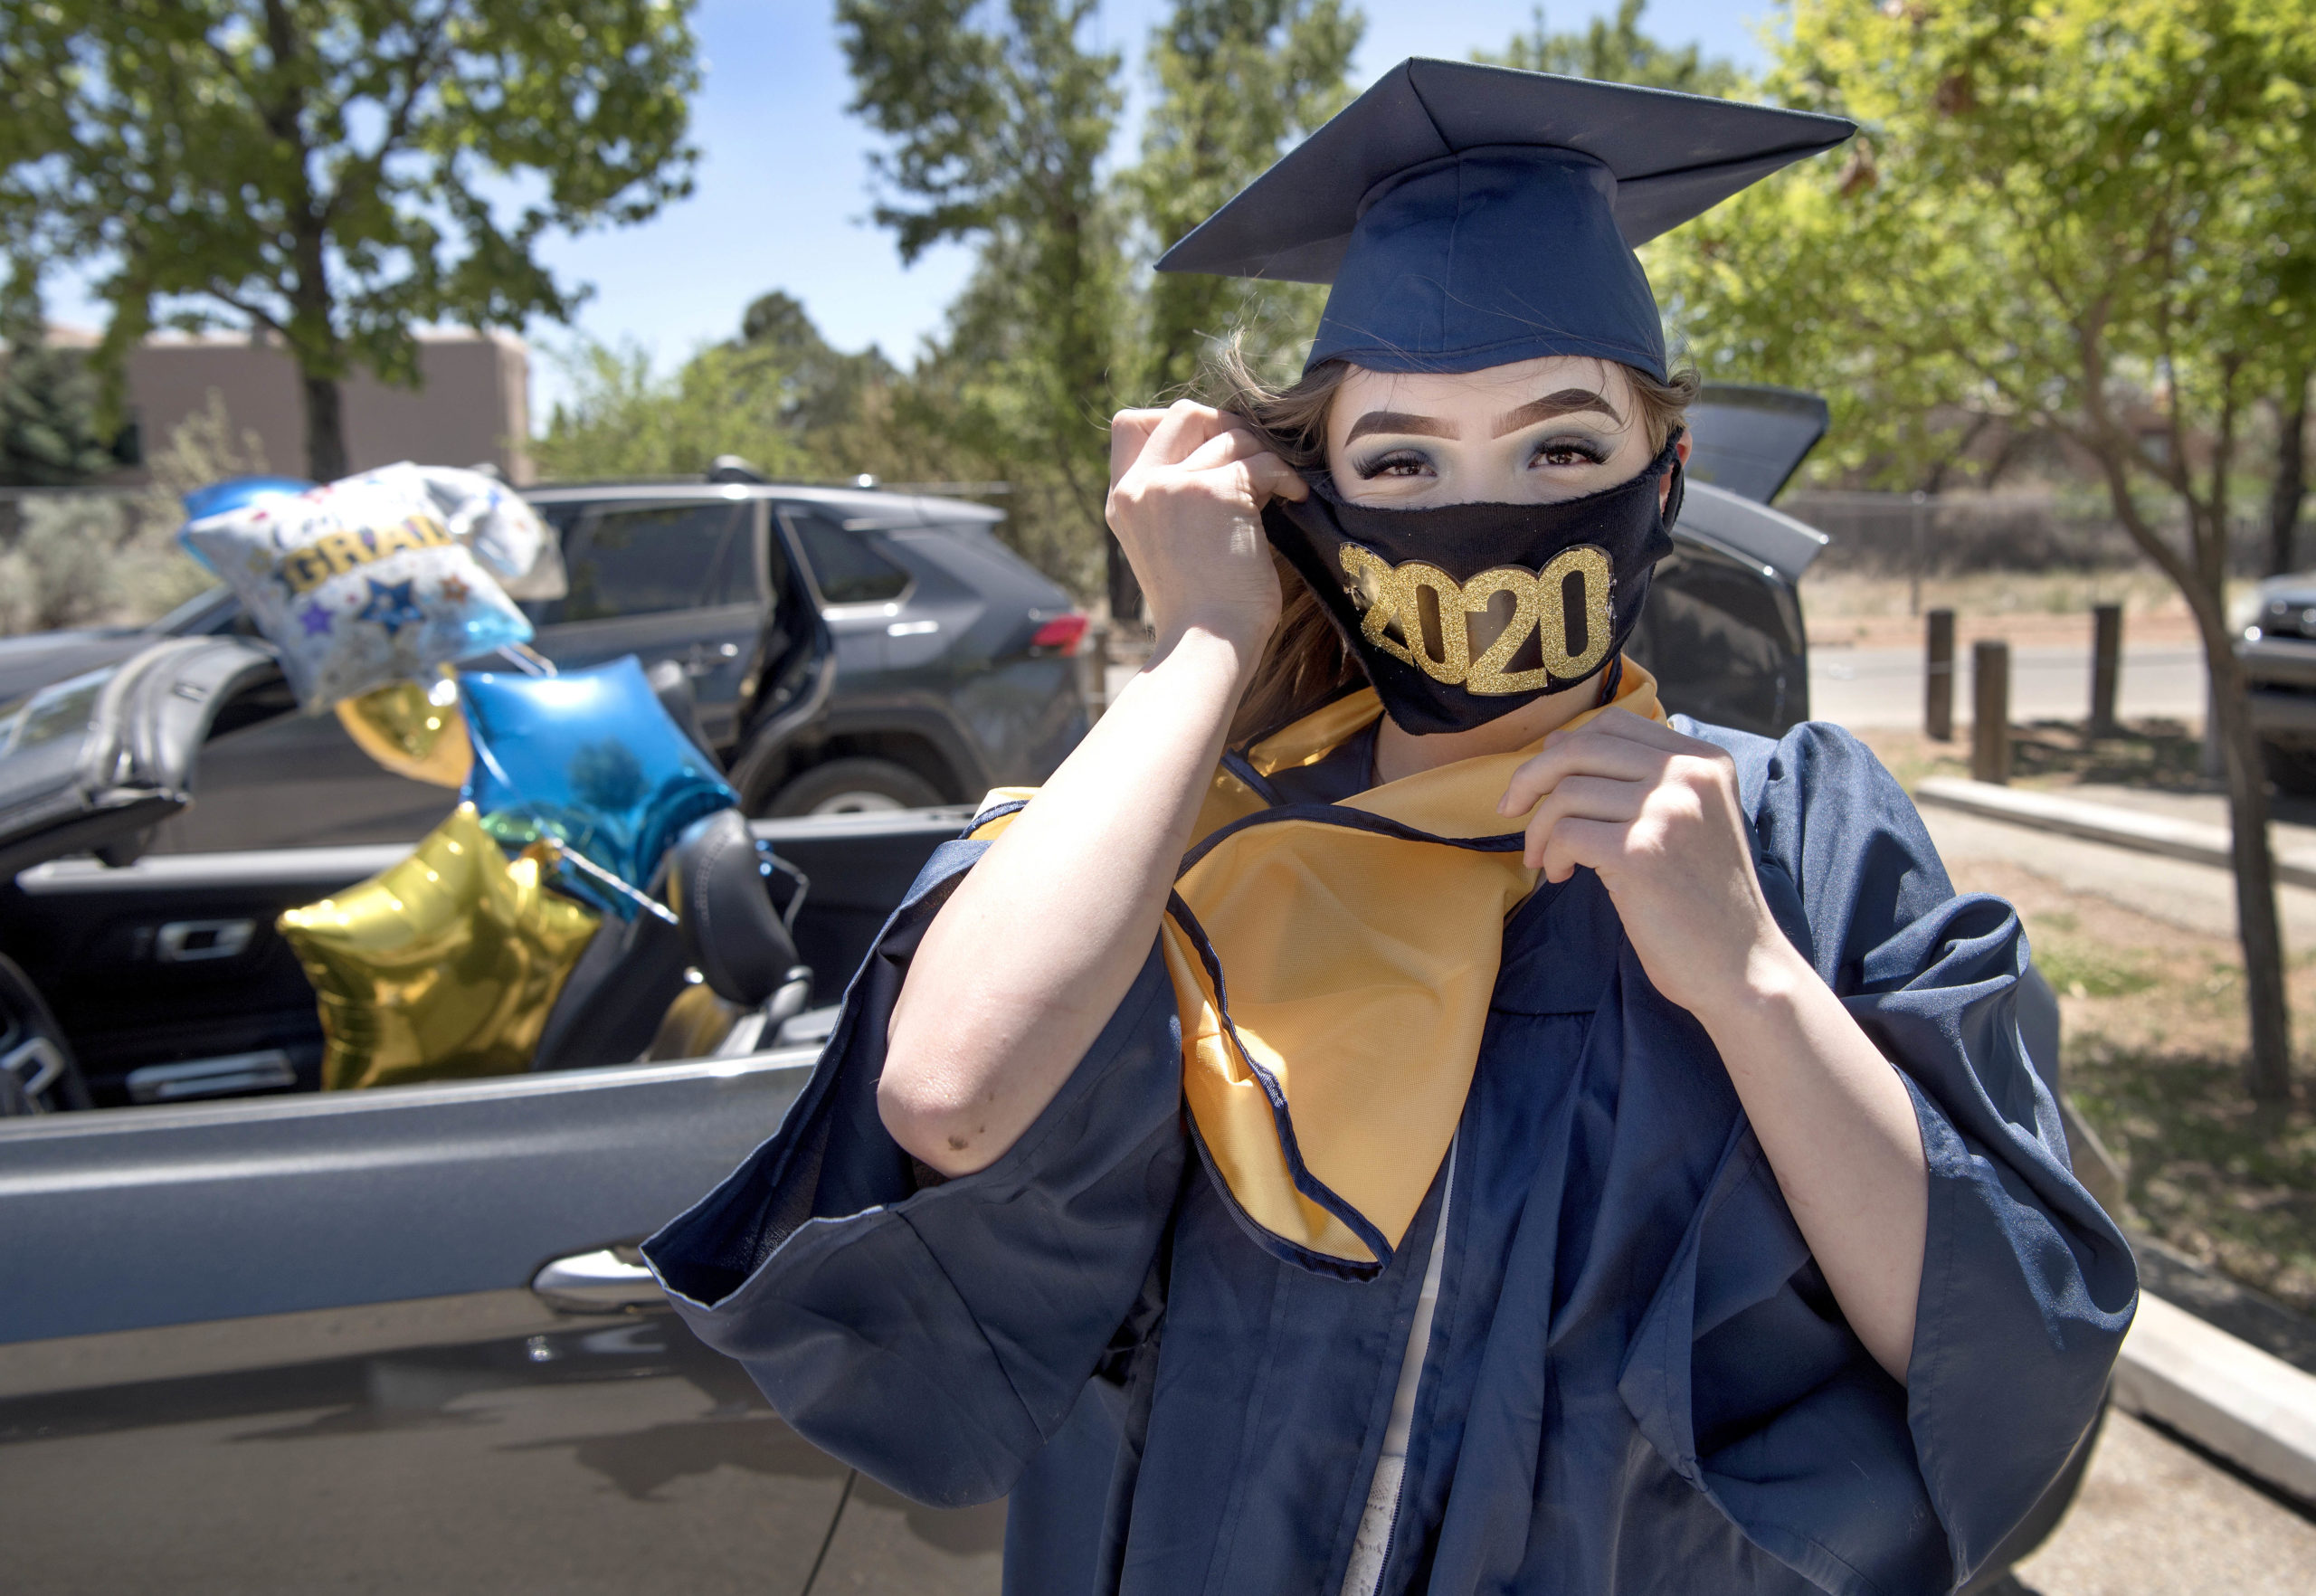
pixel 1636 1379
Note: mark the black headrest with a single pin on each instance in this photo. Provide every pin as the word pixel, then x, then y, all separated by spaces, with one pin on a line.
pixel 672 687
pixel 732 934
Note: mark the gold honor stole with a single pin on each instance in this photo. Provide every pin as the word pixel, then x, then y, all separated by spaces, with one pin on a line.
pixel 1333 964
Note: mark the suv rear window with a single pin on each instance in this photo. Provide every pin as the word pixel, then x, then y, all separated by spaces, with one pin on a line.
pixel 649 559
pixel 847 565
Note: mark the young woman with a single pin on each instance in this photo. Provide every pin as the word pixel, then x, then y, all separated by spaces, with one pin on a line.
pixel 1396 1111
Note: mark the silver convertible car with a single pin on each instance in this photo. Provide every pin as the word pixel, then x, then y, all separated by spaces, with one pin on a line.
pixel 259 1337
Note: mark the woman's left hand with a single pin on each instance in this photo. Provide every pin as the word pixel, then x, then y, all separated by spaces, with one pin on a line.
pixel 1656 814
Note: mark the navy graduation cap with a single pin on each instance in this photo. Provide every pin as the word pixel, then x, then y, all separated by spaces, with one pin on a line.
pixel 1473 216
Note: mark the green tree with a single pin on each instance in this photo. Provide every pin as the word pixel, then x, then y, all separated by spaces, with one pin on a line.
pixel 621 418
pixel 335 172
pixel 777 396
pixel 1616 52
pixel 998 118
pixel 2089 217
pixel 833 403
pixel 49 433
pixel 2291 484
pixel 1238 81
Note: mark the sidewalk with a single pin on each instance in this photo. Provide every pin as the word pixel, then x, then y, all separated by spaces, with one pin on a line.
pixel 2127 843
pixel 2195 896
pixel 2155 1518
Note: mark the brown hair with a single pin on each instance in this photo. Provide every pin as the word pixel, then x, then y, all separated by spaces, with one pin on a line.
pixel 1307 663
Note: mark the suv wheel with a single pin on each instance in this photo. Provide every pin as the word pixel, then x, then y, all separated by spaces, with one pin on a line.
pixel 854 786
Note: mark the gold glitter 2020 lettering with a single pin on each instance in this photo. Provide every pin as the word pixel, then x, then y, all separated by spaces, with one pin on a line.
pixel 1391 597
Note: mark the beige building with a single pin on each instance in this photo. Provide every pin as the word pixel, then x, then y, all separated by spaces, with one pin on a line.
pixel 472 404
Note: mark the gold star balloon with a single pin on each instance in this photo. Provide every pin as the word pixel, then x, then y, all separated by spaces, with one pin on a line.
pixel 413 731
pixel 444 965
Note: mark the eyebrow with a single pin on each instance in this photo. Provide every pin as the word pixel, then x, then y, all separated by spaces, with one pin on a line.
pixel 1567 402
pixel 1398 421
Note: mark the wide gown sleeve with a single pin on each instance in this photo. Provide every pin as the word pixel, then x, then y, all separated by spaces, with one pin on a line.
pixel 936 1338
pixel 2026 1287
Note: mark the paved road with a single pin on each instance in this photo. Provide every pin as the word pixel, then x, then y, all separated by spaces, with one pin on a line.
pixel 1884 687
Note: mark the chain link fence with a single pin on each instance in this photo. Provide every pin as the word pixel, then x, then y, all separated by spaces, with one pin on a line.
pixel 1925 535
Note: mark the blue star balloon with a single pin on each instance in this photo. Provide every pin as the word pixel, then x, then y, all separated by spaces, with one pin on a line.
pixel 391 607
pixel 215 498
pixel 592 760
pixel 359 585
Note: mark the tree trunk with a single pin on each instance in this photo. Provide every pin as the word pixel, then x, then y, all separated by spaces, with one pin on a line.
pixel 1125 591
pixel 2268 1071
pixel 324 430
pixel 2292 477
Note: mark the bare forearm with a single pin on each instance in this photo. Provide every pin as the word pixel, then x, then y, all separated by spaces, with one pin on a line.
pixel 1840 1133
pixel 1025 963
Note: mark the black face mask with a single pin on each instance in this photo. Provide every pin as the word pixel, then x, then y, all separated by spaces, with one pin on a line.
pixel 1466 612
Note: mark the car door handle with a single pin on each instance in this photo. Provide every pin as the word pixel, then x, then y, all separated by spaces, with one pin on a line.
pixel 610 1279
pixel 704 658
pixel 188 942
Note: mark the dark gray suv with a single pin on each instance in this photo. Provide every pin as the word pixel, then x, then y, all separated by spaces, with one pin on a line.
pixel 954 659
pixel 847 649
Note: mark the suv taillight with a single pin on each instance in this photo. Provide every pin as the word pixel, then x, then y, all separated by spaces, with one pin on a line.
pixel 1063 633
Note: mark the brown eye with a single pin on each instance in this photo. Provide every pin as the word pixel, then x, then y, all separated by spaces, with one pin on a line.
pixel 1398 463
pixel 1568 452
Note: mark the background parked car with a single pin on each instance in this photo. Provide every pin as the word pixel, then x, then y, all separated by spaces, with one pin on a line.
pixel 2278 651
pixel 953 660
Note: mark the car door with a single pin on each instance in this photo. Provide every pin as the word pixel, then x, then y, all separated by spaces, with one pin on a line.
pixel 861 590
pixel 678 579
pixel 388 1340
pixel 290 1344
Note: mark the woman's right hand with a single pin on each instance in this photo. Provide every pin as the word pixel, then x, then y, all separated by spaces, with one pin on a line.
pixel 1187 490
pixel 1031 957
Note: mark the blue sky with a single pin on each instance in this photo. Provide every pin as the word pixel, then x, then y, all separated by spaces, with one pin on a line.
pixel 782 198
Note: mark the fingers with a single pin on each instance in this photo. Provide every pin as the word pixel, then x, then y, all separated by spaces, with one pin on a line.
pixel 1130 430
pixel 1580 799
pixel 1234 443
pixel 1614 758
pixel 1589 843
pixel 1273 478
pixel 1180 431
pixel 1615 743
pixel 1267 475
pixel 1635 729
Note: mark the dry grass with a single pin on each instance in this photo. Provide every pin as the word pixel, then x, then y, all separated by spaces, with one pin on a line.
pixel 2054 754
pixel 1852 610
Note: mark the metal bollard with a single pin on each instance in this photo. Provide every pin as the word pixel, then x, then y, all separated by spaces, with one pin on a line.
pixel 2106 667
pixel 1938 679
pixel 1991 711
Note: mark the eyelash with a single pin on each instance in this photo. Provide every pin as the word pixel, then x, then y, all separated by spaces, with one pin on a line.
pixel 1410 463
pixel 1584 449
pixel 1389 463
